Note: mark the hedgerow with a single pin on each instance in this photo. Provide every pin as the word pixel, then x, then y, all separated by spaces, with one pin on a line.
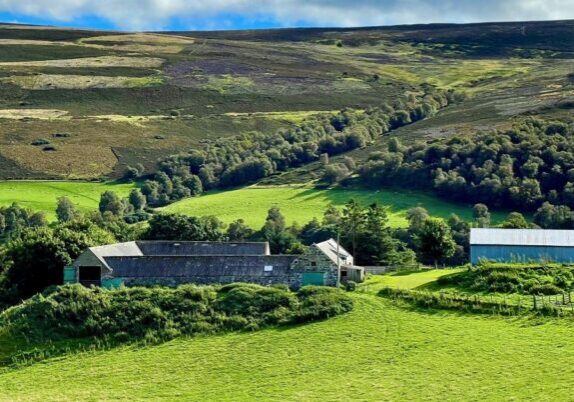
pixel 534 279
pixel 74 311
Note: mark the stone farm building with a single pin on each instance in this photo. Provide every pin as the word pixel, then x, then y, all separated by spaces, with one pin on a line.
pixel 174 262
pixel 521 245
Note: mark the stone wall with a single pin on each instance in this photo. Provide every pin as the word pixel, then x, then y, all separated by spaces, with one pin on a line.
pixel 314 260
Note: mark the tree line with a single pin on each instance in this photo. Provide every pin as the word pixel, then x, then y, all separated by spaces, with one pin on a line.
pixel 248 157
pixel 33 258
pixel 520 168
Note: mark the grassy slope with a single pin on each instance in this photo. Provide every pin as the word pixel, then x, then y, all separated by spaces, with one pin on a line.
pixel 377 352
pixel 302 203
pixel 207 76
pixel 43 195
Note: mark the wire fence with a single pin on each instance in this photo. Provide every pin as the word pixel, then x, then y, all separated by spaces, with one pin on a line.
pixel 559 304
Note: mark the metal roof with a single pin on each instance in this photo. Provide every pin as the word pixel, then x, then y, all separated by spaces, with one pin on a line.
pixel 522 237
pixel 330 248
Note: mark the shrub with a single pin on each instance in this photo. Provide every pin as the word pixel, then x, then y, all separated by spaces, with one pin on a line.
pixel 319 302
pixel 514 278
pixel 350 286
pixel 152 314
pixel 544 289
pixel 49 148
pixel 40 141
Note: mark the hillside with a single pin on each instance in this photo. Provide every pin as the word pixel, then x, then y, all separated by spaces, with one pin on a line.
pixel 377 352
pixel 301 204
pixel 105 100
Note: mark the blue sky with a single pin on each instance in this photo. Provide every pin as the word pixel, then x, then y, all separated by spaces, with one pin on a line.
pixel 243 14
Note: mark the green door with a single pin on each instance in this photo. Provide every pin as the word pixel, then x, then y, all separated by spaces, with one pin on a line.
pixel 69 274
pixel 313 278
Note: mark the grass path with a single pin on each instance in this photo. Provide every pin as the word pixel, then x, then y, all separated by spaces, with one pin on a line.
pixel 301 204
pixel 377 352
pixel 43 195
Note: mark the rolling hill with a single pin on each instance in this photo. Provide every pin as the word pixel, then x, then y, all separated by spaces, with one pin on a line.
pixel 105 100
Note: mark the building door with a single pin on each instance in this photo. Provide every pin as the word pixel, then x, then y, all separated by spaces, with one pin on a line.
pixel 313 278
pixel 70 274
pixel 90 276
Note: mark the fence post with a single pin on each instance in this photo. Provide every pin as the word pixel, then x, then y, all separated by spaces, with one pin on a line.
pixel 534 299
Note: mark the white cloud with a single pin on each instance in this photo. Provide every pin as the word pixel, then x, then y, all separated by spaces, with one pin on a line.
pixel 157 14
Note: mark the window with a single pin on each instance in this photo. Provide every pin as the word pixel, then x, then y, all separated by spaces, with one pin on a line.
pixel 90 276
pixel 343 273
pixel 313 263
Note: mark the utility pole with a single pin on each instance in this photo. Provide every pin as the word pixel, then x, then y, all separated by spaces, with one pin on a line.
pixel 338 257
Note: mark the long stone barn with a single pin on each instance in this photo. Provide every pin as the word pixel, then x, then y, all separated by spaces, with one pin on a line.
pixel 172 263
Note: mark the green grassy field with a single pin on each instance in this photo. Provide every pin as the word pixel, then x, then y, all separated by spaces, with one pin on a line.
pixel 301 204
pixel 43 195
pixel 377 352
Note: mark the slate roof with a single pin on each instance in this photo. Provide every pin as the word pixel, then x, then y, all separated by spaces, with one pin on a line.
pixel 330 248
pixel 116 250
pixel 200 265
pixel 522 237
pixel 203 248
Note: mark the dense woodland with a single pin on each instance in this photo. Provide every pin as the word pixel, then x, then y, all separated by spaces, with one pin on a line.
pixel 520 168
pixel 250 157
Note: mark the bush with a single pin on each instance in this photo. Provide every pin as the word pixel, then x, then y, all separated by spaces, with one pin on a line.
pixel 544 289
pixel 350 286
pixel 40 141
pixel 49 148
pixel 73 311
pixel 318 302
pixel 514 278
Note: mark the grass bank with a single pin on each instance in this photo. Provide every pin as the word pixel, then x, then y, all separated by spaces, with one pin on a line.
pixel 43 195
pixel 376 352
pixel 303 203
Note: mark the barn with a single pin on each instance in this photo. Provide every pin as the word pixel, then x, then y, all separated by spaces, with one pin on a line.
pixel 521 245
pixel 172 263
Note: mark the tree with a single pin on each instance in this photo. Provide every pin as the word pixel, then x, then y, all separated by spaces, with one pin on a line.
pixel 331 216
pixel 193 183
pixel 315 232
pixel 181 227
pixel 374 237
pixel 137 199
pixel 335 173
pixel 352 220
pixel 416 217
pixel 37 219
pixel 239 231
pixel 111 202
pixel 37 257
pixel 434 240
pixel 66 210
pixel 515 220
pixel 274 231
pixel 481 215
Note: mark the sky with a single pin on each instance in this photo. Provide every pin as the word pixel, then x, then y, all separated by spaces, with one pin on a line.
pixel 156 15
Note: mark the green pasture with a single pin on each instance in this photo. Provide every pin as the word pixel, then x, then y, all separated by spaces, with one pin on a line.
pixel 377 352
pixel 43 195
pixel 301 204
